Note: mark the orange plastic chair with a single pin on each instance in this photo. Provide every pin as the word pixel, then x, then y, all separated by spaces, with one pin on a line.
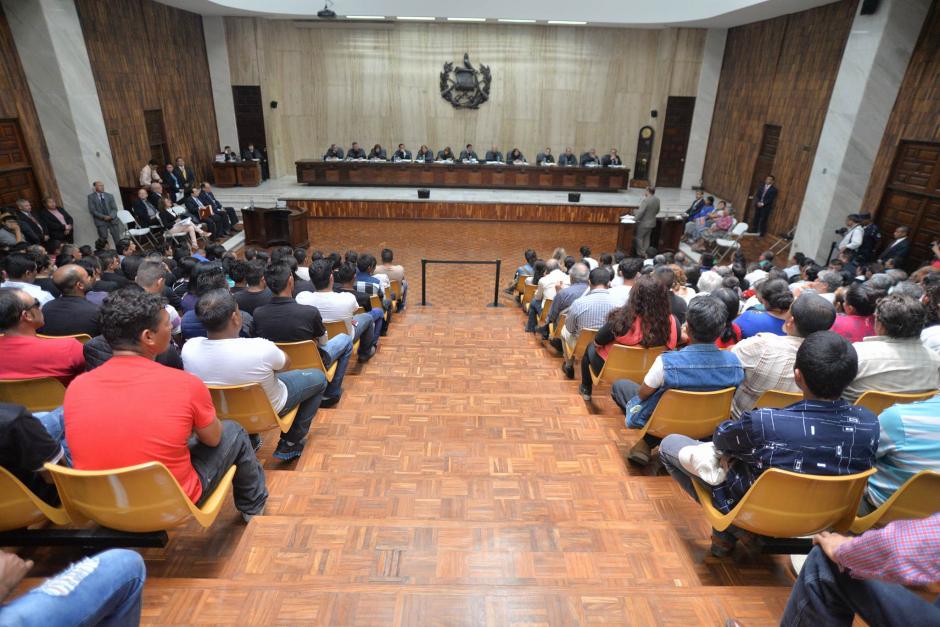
pixel 376 303
pixel 784 504
pixel 693 414
pixel 877 401
pixel 305 355
pixel 81 337
pixel 554 328
pixel 543 313
pixel 627 362
pixel 249 406
pixel 585 338
pixel 520 283
pixel 775 399
pixel 39 394
pixel 20 508
pixel 528 291
pixel 919 497
pixel 336 327
pixel 137 499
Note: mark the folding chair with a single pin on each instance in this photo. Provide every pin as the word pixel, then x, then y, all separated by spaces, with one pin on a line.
pixel 731 243
pixel 134 233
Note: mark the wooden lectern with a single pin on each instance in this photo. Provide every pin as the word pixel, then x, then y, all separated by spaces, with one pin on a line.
pixel 269 226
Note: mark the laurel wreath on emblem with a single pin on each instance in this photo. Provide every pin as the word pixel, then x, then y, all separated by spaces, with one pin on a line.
pixel 465 87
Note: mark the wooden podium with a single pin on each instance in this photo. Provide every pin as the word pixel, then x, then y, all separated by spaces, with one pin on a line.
pixel 268 226
pixel 237 173
pixel 665 236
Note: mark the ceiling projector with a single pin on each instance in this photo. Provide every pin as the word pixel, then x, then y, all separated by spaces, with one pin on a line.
pixel 326 12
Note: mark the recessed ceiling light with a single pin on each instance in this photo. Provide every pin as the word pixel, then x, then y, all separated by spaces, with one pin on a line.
pixel 415 18
pixel 513 21
pixel 466 19
pixel 365 17
pixel 566 23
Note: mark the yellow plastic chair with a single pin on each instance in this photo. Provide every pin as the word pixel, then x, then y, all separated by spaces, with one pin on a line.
pixel 543 314
pixel 20 508
pixel 520 283
pixel 919 497
pixel 877 401
pixel 39 394
pixel 81 337
pixel 376 303
pixel 775 399
pixel 137 499
pixel 249 406
pixel 693 414
pixel 337 327
pixel 305 355
pixel 585 337
pixel 528 291
pixel 554 328
pixel 396 290
pixel 627 362
pixel 784 504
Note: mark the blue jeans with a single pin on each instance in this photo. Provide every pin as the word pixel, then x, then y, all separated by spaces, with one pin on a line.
pixel 100 590
pixel 364 330
pixel 378 318
pixel 535 308
pixel 54 424
pixel 304 388
pixel 823 595
pixel 339 349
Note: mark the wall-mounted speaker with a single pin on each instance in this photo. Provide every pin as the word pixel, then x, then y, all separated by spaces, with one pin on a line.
pixel 654 113
pixel 869 7
pixel 424 193
pixel 274 104
pixel 574 197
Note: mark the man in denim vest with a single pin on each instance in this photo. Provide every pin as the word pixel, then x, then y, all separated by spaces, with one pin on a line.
pixel 699 367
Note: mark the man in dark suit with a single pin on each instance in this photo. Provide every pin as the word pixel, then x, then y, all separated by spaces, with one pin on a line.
pixel 355 152
pixel 230 155
pixel 611 159
pixel 378 153
pixel 208 198
pixel 468 154
pixel 590 158
pixel 145 212
pixel 111 269
pixel 493 154
pixel 568 157
pixel 696 205
pixel 252 154
pixel 155 197
pixel 764 199
pixel 217 222
pixel 103 209
pixel 33 230
pixel 71 313
pixel 172 181
pixel 333 152
pixel 402 154
pixel 545 157
pixel 185 173
pixel 899 249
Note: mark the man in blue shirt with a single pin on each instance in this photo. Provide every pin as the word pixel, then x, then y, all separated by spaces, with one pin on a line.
pixel 820 435
pixel 527 270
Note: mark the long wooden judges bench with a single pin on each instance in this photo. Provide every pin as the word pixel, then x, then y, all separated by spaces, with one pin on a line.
pixel 407 174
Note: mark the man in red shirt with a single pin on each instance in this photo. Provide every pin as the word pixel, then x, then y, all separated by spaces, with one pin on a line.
pixel 132 410
pixel 26 356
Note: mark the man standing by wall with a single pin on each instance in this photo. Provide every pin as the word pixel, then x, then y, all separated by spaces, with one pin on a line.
pixel 764 199
pixel 103 209
pixel 646 220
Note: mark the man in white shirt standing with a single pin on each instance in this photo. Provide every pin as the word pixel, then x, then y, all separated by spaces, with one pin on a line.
pixel 224 358
pixel 336 306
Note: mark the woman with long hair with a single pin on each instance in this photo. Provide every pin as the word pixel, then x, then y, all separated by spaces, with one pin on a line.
pixel 731 334
pixel 646 320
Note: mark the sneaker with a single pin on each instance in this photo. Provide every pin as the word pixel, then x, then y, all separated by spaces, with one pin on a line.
pixel 585 393
pixel 256 441
pixel 366 356
pixel 568 369
pixel 287 451
pixel 329 401
pixel 640 453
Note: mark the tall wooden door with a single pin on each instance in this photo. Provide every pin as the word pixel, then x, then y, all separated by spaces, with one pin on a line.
pixel 675 142
pixel 17 179
pixel 156 136
pixel 763 166
pixel 912 198
pixel 249 116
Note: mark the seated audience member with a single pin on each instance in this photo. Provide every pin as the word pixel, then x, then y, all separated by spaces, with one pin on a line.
pixel 578 275
pixel 776 297
pixel 699 367
pixel 256 292
pixel 201 213
pixel 285 320
pixel 894 359
pixel 207 197
pixel 340 306
pixel 858 321
pixel 185 173
pixel 21 274
pixel 26 356
pixel 394 272
pixel 71 313
pixel 767 358
pixel 224 358
pixel 213 279
pixel 627 271
pixel 930 336
pixel 588 312
pixel 58 222
pixel 548 285
pixel 303 267
pixel 820 435
pixel 145 213
pixel 731 334
pixel 172 406
pixel 96 290
pixel 368 281
pixel 176 225
pixel 527 269
pixel 586 257
pixel 645 321
pixel 34 232
pixel 151 277
pixel 111 268
pixel 27 442
pixel 104 589
pixel 826 284
pixel 868 575
pixel 344 282
pixel 677 304
pixel 680 286
pixel 173 183
pixel 11 236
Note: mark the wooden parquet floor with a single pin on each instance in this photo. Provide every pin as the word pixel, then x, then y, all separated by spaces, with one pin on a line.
pixel 461 481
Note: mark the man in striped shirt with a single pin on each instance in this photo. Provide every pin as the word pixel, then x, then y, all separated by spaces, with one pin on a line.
pixel 588 312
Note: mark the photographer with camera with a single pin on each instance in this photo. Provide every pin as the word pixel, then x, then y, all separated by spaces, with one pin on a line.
pixel 852 234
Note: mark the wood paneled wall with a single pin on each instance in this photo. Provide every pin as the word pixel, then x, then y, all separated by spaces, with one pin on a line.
pixel 916 113
pixel 552 86
pixel 147 55
pixel 781 72
pixel 17 103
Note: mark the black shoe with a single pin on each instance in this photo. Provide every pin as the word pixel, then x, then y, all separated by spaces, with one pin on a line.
pixel 556 344
pixel 568 369
pixel 509 290
pixel 256 441
pixel 286 451
pixel 362 357
pixel 329 401
pixel 585 392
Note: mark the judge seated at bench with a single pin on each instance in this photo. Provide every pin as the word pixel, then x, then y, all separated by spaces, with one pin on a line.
pixel 425 154
pixel 252 154
pixel 516 156
pixel 333 153
pixel 230 155
pixel 355 152
pixel 494 154
pixel 468 155
pixel 445 155
pixel 568 157
pixel 612 159
pixel 590 159
pixel 402 154
pixel 378 153
pixel 545 157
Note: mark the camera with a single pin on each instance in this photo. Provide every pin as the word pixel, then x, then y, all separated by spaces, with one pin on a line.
pixel 842 231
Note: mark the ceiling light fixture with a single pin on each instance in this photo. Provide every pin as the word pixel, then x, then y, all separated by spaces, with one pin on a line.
pixel 466 19
pixel 514 21
pixel 566 23
pixel 365 17
pixel 414 18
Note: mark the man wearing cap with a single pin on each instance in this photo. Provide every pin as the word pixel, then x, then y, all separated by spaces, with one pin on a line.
pixel 852 239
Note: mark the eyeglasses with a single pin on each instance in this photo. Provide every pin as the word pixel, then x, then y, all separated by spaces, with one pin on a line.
pixel 36 305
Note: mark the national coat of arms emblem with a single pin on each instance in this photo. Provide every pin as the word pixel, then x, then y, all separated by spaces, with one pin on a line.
pixel 465 87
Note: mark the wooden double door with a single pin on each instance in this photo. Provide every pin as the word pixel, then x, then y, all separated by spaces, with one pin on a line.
pixel 912 198
pixel 17 179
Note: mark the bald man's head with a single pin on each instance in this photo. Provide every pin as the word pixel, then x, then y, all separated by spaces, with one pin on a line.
pixel 71 280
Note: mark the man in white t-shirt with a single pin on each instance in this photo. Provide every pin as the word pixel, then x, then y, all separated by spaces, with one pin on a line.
pixel 336 306
pixel 224 358
pixel 627 271
pixel 586 257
